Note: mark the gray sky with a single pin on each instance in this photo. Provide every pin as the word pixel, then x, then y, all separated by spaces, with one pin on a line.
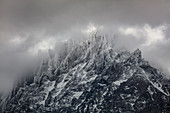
pixel 27 26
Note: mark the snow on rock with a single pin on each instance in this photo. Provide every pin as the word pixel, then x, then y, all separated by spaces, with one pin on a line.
pixel 47 90
pixel 77 94
pixel 118 82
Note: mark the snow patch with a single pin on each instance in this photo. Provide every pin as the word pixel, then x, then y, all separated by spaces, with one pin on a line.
pixel 60 86
pixel 118 82
pixel 91 79
pixel 77 94
pixel 159 88
pixel 48 89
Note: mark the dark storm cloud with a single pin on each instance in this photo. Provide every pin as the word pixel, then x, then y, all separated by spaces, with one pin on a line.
pixel 29 25
pixel 54 15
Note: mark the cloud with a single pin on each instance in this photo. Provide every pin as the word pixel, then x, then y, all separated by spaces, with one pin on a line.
pixel 154 35
pixel 27 26
pixel 92 29
pixel 151 35
pixel 43 45
pixel 130 31
pixel 17 40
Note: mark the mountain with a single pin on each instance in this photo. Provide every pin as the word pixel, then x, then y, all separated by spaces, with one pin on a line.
pixel 91 77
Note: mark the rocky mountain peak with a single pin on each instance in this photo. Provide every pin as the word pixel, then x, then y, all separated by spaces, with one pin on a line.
pixel 90 77
pixel 137 53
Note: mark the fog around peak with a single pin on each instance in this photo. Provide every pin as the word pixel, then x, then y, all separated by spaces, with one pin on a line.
pixel 30 26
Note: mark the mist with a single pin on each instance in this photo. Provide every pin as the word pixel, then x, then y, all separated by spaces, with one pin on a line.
pixel 32 26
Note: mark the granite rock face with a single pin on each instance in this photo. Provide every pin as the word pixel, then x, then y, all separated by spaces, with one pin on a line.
pixel 92 78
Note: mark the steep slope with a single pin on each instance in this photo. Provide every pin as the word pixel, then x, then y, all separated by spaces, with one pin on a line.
pixel 92 78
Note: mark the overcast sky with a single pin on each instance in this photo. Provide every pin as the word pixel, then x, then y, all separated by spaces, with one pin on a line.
pixel 27 26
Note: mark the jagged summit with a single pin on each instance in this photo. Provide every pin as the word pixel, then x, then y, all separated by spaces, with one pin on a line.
pixel 138 53
pixel 91 77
